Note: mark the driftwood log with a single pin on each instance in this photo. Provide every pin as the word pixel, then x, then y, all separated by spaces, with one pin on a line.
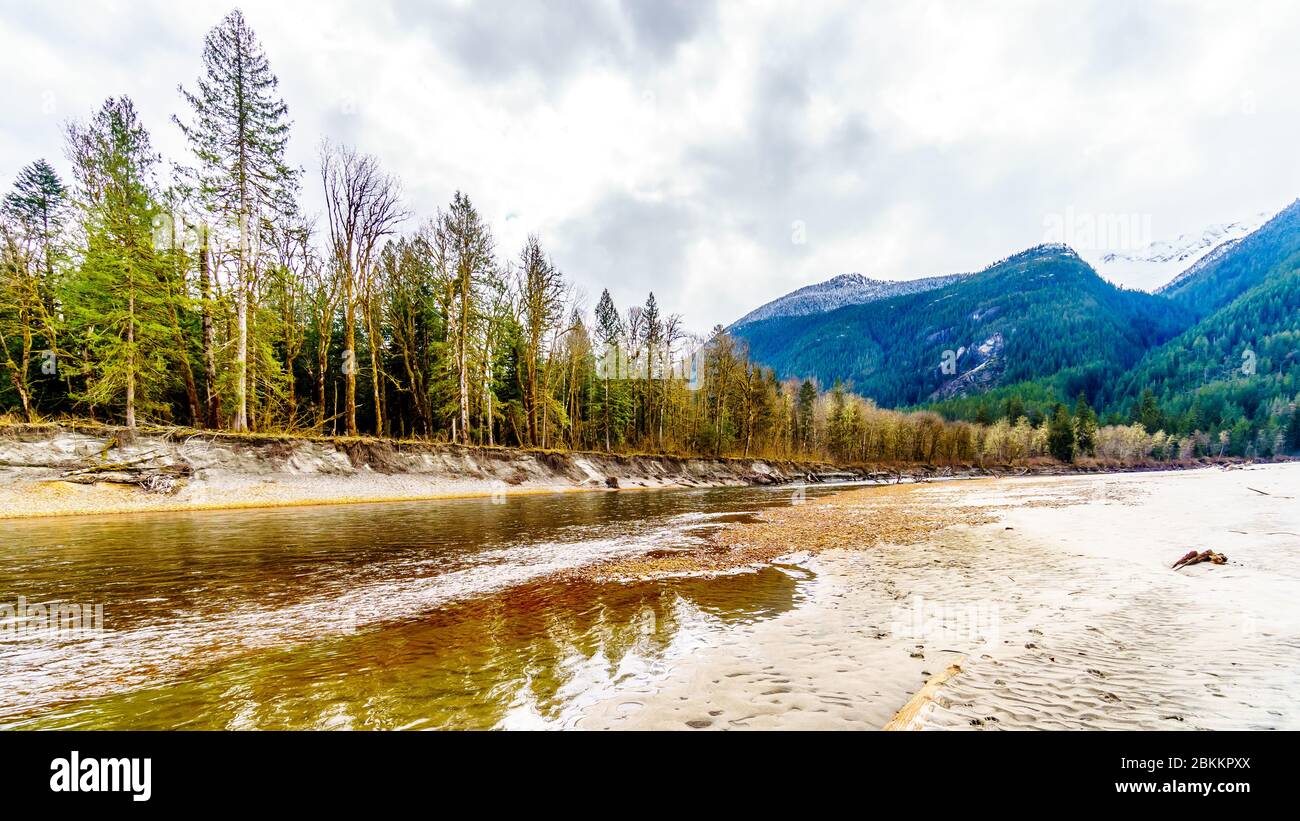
pixel 136 471
pixel 1192 557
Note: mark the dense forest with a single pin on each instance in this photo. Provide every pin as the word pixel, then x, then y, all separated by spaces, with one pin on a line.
pixel 198 293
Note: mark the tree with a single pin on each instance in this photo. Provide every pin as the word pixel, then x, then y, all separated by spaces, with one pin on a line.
pixel 1085 426
pixel 413 322
pixel 1060 437
pixel 38 207
pixel 1015 408
pixel 238 136
pixel 295 267
pixel 721 365
pixel 1148 412
pixel 804 414
pixel 609 332
pixel 31 218
pixel 470 263
pixel 653 337
pixel 362 207
pixel 1293 430
pixel 541 303
pixel 114 303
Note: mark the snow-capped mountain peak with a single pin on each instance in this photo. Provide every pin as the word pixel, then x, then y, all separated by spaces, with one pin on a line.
pixel 838 291
pixel 1151 267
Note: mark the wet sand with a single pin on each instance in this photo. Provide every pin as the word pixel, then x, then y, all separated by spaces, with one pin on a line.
pixel 1024 603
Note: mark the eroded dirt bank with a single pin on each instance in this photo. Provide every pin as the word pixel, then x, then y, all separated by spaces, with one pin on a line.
pixel 68 470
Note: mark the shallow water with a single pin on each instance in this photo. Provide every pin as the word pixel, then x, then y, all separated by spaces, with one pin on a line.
pixel 404 615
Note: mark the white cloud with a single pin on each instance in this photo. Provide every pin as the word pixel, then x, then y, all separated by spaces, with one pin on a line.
pixel 670 146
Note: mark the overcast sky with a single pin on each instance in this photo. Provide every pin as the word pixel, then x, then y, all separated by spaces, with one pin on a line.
pixel 722 154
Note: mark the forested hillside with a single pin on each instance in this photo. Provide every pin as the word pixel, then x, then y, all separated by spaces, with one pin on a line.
pixel 1213 361
pixel 1040 312
pixel 1233 376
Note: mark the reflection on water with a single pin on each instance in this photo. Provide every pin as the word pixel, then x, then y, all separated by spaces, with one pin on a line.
pixel 411 615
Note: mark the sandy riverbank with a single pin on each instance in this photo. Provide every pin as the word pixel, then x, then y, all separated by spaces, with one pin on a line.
pixel 1053 598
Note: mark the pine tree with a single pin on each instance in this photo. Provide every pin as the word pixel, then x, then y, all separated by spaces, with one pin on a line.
pixel 652 331
pixel 1085 426
pixel 31 219
pixel 1060 437
pixel 1148 412
pixel 38 204
pixel 1015 408
pixel 1293 430
pixel 806 401
pixel 116 306
pixel 609 333
pixel 238 135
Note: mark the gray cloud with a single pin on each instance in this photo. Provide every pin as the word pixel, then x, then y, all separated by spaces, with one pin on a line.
pixel 671 144
pixel 629 244
pixel 497 40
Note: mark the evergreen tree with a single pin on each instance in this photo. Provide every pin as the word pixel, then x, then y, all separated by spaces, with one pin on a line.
pixel 1148 412
pixel 653 336
pixel 1060 437
pixel 31 218
pixel 806 402
pixel 38 204
pixel 116 308
pixel 238 135
pixel 1015 408
pixel 609 333
pixel 1293 430
pixel 470 263
pixel 1085 427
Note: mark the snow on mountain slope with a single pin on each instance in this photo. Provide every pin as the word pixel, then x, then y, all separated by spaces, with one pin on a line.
pixel 845 289
pixel 1151 268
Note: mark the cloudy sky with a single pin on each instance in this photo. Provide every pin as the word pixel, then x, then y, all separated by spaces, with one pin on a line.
pixel 722 154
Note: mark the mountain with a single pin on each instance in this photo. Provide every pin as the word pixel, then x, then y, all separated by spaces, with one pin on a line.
pixel 845 289
pixel 1212 358
pixel 1043 312
pixel 1235 267
pixel 1160 261
pixel 1237 368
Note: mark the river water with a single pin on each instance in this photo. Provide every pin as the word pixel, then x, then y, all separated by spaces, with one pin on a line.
pixel 440 614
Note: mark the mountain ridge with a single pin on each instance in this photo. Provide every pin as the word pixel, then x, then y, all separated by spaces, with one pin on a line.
pixel 1041 310
pixel 841 290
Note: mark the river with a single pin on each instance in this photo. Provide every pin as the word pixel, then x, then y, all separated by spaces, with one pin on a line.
pixel 440 614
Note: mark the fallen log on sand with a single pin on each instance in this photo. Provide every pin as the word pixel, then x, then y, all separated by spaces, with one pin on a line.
pixel 1192 557
pixel 906 718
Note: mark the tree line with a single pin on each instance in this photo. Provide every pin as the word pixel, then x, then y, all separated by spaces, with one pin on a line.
pixel 211 300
